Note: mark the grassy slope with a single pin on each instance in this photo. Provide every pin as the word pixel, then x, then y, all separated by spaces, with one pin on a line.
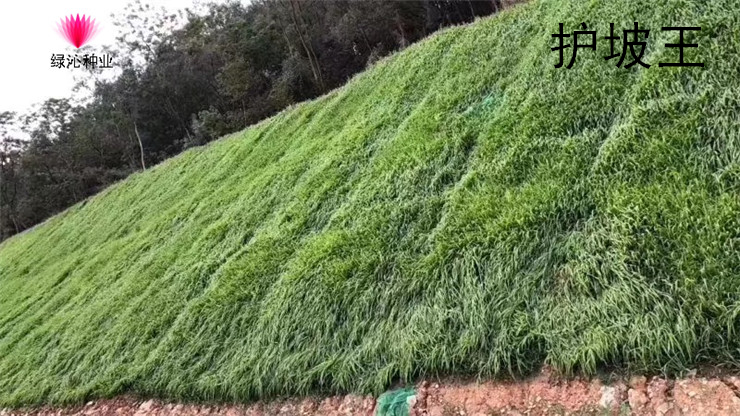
pixel 461 207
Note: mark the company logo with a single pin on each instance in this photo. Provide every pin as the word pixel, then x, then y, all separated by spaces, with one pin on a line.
pixel 77 31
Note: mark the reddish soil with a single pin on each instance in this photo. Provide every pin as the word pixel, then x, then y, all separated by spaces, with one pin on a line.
pixel 541 395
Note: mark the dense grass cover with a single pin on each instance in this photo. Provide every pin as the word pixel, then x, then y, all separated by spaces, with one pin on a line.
pixel 462 207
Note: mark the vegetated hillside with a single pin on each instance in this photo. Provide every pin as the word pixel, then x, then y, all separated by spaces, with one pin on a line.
pixel 449 211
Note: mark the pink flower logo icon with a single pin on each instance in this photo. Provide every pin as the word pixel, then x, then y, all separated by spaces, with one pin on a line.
pixel 76 30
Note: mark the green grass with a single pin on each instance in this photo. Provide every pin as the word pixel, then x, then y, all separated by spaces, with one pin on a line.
pixel 462 207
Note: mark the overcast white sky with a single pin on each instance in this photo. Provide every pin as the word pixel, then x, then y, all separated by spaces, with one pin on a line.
pixel 29 36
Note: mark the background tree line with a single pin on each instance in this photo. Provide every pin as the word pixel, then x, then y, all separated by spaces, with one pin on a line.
pixel 188 78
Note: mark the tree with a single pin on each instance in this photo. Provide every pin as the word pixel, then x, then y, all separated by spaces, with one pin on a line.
pixel 11 149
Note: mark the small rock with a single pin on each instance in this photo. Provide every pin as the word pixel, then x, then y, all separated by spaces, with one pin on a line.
pixel 638 382
pixel 663 409
pixel 147 405
pixel 735 382
pixel 658 390
pixel 608 397
pixel 636 399
pixel 308 406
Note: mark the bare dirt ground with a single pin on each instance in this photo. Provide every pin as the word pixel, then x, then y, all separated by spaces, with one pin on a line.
pixel 544 394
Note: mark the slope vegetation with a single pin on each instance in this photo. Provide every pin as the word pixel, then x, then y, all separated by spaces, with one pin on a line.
pixel 462 207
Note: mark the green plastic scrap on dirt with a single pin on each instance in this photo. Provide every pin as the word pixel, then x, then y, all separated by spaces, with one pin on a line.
pixel 395 403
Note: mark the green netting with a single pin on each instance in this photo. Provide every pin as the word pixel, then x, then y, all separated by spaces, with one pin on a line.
pixel 395 403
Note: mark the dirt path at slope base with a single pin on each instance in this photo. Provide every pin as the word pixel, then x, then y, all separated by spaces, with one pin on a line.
pixel 541 395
